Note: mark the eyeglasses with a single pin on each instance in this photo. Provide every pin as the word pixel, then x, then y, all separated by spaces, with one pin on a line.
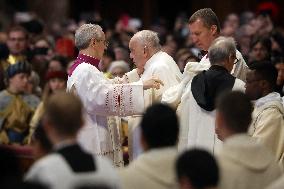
pixel 236 60
pixel 104 41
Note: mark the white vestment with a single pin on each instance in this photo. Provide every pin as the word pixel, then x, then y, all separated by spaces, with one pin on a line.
pixel 245 163
pixel 153 169
pixel 277 184
pixel 267 125
pixel 165 68
pixel 239 70
pixel 53 171
pixel 197 126
pixel 172 96
pixel 102 98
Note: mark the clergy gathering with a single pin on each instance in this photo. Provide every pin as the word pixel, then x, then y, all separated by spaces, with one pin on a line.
pixel 141 96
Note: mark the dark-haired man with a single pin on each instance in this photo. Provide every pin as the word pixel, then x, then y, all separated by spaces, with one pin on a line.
pixel 69 165
pixel 154 168
pixel 197 169
pixel 204 28
pixel 268 115
pixel 244 163
pixel 197 109
pixel 17 44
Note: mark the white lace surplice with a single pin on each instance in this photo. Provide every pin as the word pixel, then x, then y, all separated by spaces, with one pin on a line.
pixel 102 99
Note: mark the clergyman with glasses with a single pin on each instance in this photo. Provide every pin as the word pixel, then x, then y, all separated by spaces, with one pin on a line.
pixel 102 97
pixel 197 105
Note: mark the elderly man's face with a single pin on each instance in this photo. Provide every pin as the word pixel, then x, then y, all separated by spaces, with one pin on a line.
pixel 100 45
pixel 138 53
pixel 202 36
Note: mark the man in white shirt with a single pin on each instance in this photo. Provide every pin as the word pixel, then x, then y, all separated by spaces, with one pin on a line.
pixel 197 169
pixel 244 162
pixel 204 28
pixel 68 166
pixel 155 167
pixel 102 97
pixel 145 50
pixel 197 108
pixel 268 115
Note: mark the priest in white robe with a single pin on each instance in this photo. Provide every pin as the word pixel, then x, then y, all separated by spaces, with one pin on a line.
pixel 145 50
pixel 101 97
pixel 197 109
pixel 68 166
pixel 204 28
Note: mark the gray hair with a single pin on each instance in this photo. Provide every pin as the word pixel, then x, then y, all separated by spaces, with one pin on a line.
pixel 221 49
pixel 148 38
pixel 119 63
pixel 85 33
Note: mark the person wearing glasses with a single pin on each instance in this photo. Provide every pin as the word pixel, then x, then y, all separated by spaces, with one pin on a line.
pixel 102 97
pixel 204 29
pixel 197 106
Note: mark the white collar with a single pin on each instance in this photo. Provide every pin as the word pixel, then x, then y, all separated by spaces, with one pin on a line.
pixel 274 96
pixel 151 60
pixel 64 143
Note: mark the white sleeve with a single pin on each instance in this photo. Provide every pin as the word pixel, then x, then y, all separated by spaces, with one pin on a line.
pixel 132 76
pixel 37 173
pixel 194 68
pixel 100 96
pixel 172 96
pixel 239 85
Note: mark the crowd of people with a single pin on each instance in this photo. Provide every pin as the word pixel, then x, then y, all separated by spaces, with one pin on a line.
pixel 203 103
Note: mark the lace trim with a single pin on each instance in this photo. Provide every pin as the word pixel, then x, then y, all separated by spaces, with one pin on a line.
pixel 104 153
pixel 127 78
